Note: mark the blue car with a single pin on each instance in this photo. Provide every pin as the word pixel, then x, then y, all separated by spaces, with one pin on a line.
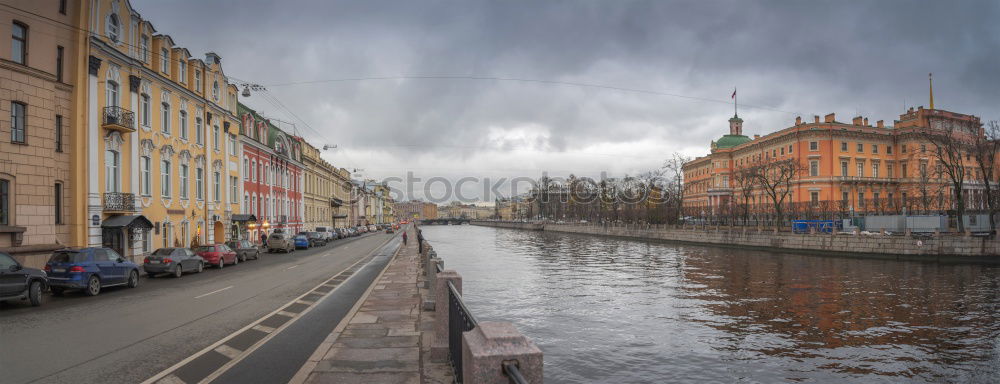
pixel 301 242
pixel 89 269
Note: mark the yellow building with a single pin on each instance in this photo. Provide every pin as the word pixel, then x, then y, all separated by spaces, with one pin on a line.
pixel 158 152
pixel 319 192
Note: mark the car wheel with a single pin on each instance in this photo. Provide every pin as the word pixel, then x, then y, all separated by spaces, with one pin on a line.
pixel 133 279
pixel 178 272
pixel 93 286
pixel 243 257
pixel 222 263
pixel 35 293
pixel 257 256
pixel 58 291
pixel 201 267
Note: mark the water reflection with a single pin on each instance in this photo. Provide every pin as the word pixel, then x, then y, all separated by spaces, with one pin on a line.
pixel 611 310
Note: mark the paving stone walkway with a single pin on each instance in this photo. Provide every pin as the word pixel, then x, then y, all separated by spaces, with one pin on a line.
pixel 388 339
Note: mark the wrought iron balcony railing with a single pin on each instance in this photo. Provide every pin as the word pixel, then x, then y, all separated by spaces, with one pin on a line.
pixel 119 119
pixel 119 202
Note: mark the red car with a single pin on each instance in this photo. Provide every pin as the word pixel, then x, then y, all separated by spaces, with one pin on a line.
pixel 217 254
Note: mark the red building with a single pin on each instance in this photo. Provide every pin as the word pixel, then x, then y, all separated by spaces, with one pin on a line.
pixel 272 177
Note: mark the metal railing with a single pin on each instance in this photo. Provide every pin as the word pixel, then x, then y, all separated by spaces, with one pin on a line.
pixel 118 201
pixel 118 116
pixel 513 373
pixel 460 320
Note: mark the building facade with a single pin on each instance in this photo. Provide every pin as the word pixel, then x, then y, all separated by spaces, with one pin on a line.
pixel 851 167
pixel 38 82
pixel 318 189
pixel 272 176
pixel 416 210
pixel 158 151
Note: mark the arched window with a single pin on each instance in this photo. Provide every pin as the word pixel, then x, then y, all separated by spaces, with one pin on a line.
pixel 215 90
pixel 113 28
pixel 111 171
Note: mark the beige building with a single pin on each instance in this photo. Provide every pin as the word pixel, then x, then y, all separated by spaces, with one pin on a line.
pixel 323 184
pixel 37 144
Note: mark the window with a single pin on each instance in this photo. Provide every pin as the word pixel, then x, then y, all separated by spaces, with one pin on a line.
pixel 111 169
pixel 19 44
pixel 888 149
pixel 199 131
pixel 62 7
pixel 861 169
pixel 57 194
pixel 861 148
pixel 782 151
pixel 4 202
pixel 814 168
pixel 875 166
pixel 888 170
pixel 923 148
pixel 843 146
pixel 183 125
pixel 59 133
pixel 17 124
pixel 167 229
pixel 165 60
pixel 215 90
pixel 111 93
pixel 875 197
pixel 902 148
pixel 844 196
pixel 145 110
pixel 113 29
pixel 215 137
pixel 233 145
pixel 165 178
pixel 145 183
pixel 902 170
pixel 200 183
pixel 234 190
pixel 874 148
pixel 814 197
pixel 184 181
pixel 217 191
pixel 253 173
pixel 246 168
pixel 843 168
pixel 790 148
pixel 813 146
pixel 197 80
pixel 923 170
pixel 59 63
pixel 861 198
pixel 165 117
pixel 182 71
pixel 144 48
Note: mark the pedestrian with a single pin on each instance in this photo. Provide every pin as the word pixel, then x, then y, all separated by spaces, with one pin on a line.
pixel 420 240
pixel 404 237
pixel 263 239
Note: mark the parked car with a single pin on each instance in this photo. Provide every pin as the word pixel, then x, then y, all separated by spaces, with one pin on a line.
pixel 244 249
pixel 20 283
pixel 316 239
pixel 217 254
pixel 280 242
pixel 301 242
pixel 388 230
pixel 173 260
pixel 372 228
pixel 90 269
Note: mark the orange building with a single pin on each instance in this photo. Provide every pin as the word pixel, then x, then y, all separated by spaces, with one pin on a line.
pixel 856 167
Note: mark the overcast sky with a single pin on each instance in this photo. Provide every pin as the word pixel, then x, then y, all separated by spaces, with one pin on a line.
pixel 670 68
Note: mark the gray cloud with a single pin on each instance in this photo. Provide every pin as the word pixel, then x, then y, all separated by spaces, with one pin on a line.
pixel 792 57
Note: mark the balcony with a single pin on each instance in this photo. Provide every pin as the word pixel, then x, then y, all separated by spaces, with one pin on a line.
pixel 117 202
pixel 118 119
pixel 865 179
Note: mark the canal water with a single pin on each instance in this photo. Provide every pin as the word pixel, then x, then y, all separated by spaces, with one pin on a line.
pixel 607 310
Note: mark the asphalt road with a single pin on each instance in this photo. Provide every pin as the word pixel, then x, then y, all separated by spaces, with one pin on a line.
pixel 128 335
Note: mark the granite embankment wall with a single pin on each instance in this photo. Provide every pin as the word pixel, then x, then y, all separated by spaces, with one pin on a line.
pixel 958 248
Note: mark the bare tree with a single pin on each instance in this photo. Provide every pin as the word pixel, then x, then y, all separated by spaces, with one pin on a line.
pixel 985 147
pixel 674 172
pixel 952 141
pixel 745 181
pixel 775 178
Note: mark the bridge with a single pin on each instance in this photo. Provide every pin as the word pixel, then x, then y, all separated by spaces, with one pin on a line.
pixel 445 221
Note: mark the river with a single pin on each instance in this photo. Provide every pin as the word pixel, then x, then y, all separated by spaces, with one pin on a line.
pixel 608 310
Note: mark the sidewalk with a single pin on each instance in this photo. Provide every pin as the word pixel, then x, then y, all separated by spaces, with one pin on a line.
pixel 388 338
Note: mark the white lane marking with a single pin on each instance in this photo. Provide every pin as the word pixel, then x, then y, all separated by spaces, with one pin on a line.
pixel 294 266
pixel 213 292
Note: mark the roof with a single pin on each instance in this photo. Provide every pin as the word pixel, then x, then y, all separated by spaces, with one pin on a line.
pixel 729 141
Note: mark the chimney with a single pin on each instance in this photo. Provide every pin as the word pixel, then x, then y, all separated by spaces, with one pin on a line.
pixel 798 120
pixel 911 110
pixel 866 122
pixel 830 118
pixel 816 119
pixel 857 120
pixel 880 124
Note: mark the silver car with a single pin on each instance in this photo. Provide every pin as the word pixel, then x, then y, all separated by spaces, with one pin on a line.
pixel 176 261
pixel 280 242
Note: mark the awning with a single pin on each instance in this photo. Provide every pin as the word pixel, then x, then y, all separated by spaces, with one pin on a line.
pixel 127 221
pixel 339 216
pixel 244 217
pixel 335 202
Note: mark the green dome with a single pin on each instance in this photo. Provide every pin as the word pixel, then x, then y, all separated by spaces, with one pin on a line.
pixel 729 141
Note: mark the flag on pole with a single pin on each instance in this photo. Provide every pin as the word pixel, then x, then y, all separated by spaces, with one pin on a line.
pixel 734 94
